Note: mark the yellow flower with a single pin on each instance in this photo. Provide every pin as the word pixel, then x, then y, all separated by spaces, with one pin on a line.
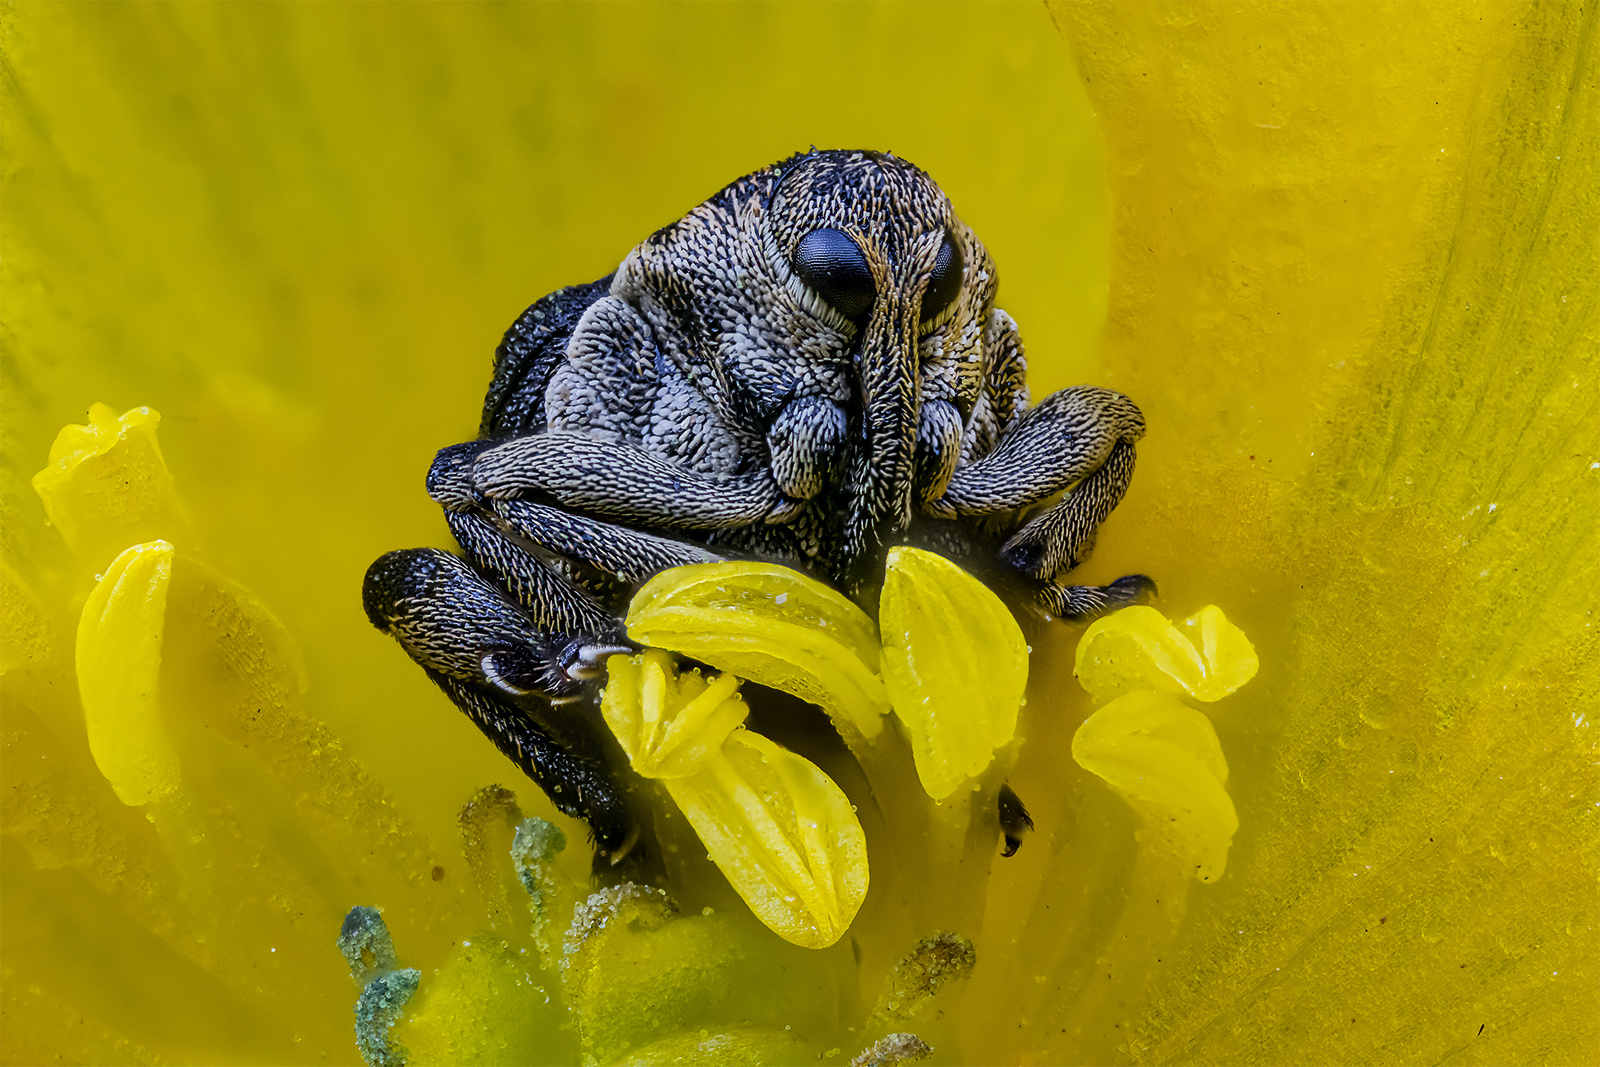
pixel 1351 286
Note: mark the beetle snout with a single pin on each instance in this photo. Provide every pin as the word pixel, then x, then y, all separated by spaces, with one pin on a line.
pixel 882 468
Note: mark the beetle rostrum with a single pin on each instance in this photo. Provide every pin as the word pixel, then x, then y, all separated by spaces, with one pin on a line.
pixel 808 368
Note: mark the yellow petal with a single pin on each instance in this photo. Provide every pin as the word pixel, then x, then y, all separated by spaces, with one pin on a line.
pixel 955 665
pixel 783 834
pixel 1165 761
pixel 670 725
pixel 770 625
pixel 119 661
pixel 107 485
pixel 1137 648
pixel 24 624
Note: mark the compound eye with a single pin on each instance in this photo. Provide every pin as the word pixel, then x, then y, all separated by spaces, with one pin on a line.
pixel 834 265
pixel 945 284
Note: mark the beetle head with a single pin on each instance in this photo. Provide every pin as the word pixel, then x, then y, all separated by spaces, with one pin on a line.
pixel 873 248
pixel 833 281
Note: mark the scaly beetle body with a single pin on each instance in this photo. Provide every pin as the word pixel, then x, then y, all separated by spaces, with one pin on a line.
pixel 807 368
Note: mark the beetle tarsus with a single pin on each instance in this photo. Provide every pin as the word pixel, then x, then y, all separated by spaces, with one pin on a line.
pixel 583 661
pixel 1073 603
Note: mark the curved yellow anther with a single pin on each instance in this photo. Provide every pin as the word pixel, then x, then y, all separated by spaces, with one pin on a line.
pixel 773 626
pixel 780 830
pixel 670 725
pixel 783 834
pixel 1164 759
pixel 955 665
pixel 1137 648
pixel 119 663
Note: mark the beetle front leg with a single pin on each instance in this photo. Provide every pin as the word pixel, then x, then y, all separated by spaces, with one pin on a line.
pixel 621 483
pixel 1067 436
pixel 1057 541
pixel 1084 436
pixel 629 556
pixel 502 671
pixel 505 532
pixel 570 494
pixel 578 627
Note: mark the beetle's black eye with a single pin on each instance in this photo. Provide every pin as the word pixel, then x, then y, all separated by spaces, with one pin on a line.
pixel 945 283
pixel 834 265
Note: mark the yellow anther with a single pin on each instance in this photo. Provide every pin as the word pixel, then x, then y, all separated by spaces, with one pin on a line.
pixel 1164 759
pixel 783 834
pixel 770 625
pixel 779 829
pixel 955 665
pixel 119 662
pixel 1137 648
pixel 670 725
pixel 107 485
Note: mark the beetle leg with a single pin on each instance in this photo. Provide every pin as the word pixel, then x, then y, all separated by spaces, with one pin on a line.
pixel 577 781
pixel 1067 436
pixel 628 555
pixel 503 672
pixel 452 621
pixel 581 631
pixel 1081 601
pixel 1085 436
pixel 1053 543
pixel 1060 538
pixel 554 604
pixel 531 570
pixel 512 529
pixel 621 483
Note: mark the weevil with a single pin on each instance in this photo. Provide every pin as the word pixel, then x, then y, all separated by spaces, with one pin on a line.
pixel 808 368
